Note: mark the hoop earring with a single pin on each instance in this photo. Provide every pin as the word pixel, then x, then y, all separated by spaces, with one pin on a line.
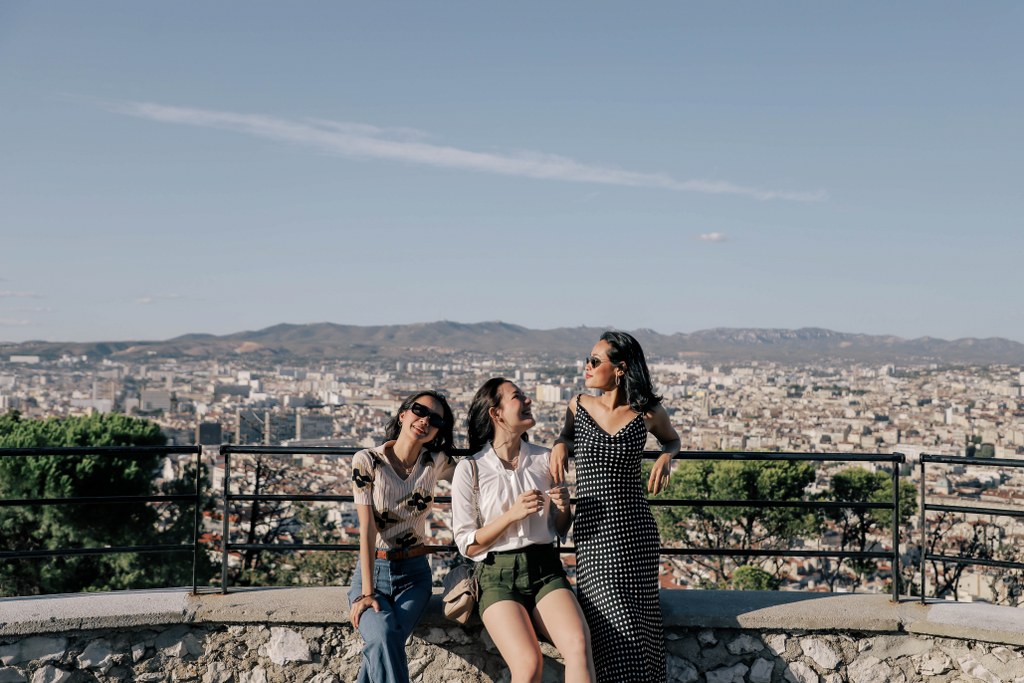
pixel 617 379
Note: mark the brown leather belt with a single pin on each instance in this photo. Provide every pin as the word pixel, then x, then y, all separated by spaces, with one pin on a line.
pixel 415 551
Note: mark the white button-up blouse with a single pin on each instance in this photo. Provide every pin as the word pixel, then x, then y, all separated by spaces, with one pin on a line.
pixel 499 488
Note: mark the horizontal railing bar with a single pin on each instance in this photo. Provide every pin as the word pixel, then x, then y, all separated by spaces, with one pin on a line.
pixel 682 455
pixel 739 552
pixel 103 450
pixel 807 504
pixel 771 455
pixel 972 560
pixel 70 552
pixel 724 552
pixel 656 502
pixel 95 500
pixel 963 460
pixel 974 510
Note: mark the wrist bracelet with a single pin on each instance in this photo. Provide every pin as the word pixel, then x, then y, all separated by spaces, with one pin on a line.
pixel 368 595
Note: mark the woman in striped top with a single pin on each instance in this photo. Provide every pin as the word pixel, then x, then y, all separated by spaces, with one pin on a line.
pixel 393 487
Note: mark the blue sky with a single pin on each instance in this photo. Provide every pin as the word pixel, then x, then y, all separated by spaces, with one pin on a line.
pixel 215 167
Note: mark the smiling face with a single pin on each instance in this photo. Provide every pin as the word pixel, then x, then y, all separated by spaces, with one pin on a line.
pixel 514 411
pixel 599 372
pixel 418 426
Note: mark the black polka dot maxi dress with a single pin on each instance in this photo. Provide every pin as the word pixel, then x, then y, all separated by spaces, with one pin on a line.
pixel 617 553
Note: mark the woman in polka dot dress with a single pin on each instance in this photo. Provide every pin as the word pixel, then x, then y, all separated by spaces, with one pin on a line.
pixel 615 533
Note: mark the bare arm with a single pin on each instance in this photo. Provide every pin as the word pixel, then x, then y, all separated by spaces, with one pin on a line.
pixel 559 462
pixel 661 427
pixel 528 503
pixel 367 556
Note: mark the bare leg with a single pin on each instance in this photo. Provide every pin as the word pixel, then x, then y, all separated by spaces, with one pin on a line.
pixel 509 626
pixel 558 616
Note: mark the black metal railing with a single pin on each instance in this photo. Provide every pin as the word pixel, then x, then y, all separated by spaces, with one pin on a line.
pixel 194 499
pixel 892 459
pixel 230 496
pixel 926 556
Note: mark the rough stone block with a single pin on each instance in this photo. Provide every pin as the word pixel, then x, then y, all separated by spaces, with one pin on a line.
pixel 9 674
pixel 681 670
pixel 972 667
pixel 286 645
pixel 731 674
pixel 97 655
pixel 707 638
pixel 744 645
pixel 821 652
pixel 761 671
pixel 41 648
pixel 798 672
pixel 934 663
pixel 9 653
pixel 868 669
pixel 50 674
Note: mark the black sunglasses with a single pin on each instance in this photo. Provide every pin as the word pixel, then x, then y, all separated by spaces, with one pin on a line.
pixel 593 361
pixel 433 419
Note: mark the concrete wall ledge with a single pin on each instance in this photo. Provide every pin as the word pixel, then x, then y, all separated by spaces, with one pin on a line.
pixel 746 610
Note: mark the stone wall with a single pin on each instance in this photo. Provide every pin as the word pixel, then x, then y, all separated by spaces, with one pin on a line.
pixel 300 635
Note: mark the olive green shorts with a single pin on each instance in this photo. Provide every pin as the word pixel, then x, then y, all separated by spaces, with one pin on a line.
pixel 524 576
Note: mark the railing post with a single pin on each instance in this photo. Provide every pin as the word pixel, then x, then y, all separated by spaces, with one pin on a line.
pixel 224 533
pixel 898 460
pixel 922 522
pixel 195 518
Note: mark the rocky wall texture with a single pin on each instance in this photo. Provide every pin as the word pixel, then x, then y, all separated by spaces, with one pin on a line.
pixel 259 653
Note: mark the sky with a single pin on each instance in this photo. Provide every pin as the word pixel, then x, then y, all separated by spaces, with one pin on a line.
pixel 196 167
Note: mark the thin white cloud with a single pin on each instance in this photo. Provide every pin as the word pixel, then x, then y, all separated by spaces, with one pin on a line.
pixel 157 298
pixel 713 237
pixel 361 141
pixel 10 294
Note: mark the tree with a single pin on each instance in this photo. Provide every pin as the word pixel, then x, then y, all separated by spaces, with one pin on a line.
pixel 857 527
pixel 751 578
pixel 34 527
pixel 268 522
pixel 743 527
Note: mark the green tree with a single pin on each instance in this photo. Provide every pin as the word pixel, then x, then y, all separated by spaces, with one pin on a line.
pixel 858 527
pixel 36 527
pixel 744 527
pixel 751 578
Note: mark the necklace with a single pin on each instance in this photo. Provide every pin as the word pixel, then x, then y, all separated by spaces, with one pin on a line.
pixel 396 462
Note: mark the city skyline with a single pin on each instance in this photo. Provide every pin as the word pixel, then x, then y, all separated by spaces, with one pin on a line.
pixel 191 169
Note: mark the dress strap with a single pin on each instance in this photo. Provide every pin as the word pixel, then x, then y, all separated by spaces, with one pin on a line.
pixel 578 399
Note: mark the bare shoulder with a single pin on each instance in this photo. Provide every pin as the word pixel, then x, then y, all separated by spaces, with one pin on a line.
pixel 657 415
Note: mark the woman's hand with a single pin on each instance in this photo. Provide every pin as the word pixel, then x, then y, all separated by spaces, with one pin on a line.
pixel 560 498
pixel 558 463
pixel 360 606
pixel 528 503
pixel 660 473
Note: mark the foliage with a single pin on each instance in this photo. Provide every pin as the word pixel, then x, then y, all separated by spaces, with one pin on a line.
pixel 751 578
pixel 36 527
pixel 751 526
pixel 857 527
pixel 268 522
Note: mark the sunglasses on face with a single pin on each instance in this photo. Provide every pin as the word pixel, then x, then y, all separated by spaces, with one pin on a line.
pixel 433 419
pixel 593 361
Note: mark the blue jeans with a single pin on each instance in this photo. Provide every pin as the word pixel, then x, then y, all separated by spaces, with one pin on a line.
pixel 402 588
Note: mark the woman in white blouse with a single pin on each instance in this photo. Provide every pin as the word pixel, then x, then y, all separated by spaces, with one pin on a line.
pixel 524 592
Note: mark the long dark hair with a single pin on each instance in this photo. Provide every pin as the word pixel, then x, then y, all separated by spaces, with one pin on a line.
pixel 445 439
pixel 479 426
pixel 636 383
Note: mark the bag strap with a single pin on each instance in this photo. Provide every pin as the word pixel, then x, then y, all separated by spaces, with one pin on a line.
pixel 476 491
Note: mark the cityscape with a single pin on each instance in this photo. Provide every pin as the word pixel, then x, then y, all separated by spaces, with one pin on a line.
pixel 765 406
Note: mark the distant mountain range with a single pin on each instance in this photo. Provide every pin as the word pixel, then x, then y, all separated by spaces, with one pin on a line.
pixel 291 343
